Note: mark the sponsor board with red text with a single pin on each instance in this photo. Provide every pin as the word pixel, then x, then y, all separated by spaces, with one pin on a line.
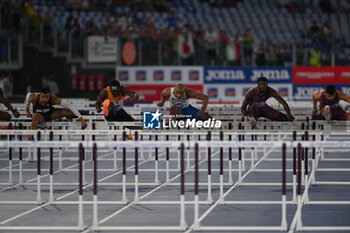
pixel 150 93
pixel 160 74
pixel 321 75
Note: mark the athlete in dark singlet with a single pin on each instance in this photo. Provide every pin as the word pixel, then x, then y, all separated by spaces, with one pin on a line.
pixel 256 101
pixel 43 109
pixel 5 116
pixel 178 97
pixel 329 105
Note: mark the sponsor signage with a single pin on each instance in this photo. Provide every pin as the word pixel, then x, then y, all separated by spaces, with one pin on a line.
pixel 160 74
pixel 150 93
pixel 237 92
pixel 247 74
pixel 102 50
pixel 304 92
pixel 321 75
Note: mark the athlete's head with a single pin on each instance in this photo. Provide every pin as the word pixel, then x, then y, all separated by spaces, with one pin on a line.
pixel 44 95
pixel 262 84
pixel 330 92
pixel 179 90
pixel 114 86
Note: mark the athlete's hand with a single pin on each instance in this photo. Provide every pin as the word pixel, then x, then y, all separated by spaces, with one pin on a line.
pixel 136 97
pixel 160 104
pixel 244 112
pixel 83 123
pixel 16 114
pixel 290 117
pixel 200 113
pixel 29 114
pixel 314 112
pixel 99 109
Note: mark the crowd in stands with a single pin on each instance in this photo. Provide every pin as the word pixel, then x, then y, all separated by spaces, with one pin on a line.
pixel 189 44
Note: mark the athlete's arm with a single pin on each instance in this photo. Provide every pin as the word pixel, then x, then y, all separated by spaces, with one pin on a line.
pixel 8 105
pixel 200 96
pixel 132 95
pixel 315 98
pixel 274 94
pixel 163 96
pixel 102 96
pixel 343 96
pixel 30 99
pixel 246 101
pixel 65 104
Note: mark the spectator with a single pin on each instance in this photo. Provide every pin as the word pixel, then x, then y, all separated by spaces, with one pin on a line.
pixel 327 57
pixel 288 54
pixel 300 55
pixel 325 30
pixel 7 84
pixel 248 41
pixel 51 84
pixel 233 51
pixel 47 28
pixel 126 20
pixel 201 51
pixel 185 46
pixel 260 55
pixel 76 38
pixel 165 37
pixel 314 30
pixel 223 40
pixel 270 54
pixel 211 39
pixel 281 52
pixel 315 56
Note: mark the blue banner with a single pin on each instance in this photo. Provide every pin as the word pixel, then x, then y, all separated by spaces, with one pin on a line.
pixel 305 92
pixel 247 74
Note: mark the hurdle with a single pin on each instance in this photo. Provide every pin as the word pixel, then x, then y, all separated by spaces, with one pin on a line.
pixel 214 144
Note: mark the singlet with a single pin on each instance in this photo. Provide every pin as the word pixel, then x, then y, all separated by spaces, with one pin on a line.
pixel 179 103
pixel 118 101
pixel 332 103
pixel 257 100
pixel 42 109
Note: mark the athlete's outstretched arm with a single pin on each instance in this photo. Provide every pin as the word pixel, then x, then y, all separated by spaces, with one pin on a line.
pixel 200 96
pixel 315 98
pixel 8 105
pixel 163 96
pixel 132 94
pixel 343 96
pixel 246 101
pixel 283 102
pixel 65 104
pixel 101 97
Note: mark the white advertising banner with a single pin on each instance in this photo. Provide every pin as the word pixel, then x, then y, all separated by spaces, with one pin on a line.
pixel 160 74
pixel 236 92
pixel 101 49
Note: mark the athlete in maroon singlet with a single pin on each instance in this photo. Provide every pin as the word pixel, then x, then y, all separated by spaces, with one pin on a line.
pixel 256 101
pixel 329 102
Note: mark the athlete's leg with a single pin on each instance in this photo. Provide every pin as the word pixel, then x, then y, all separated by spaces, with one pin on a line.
pixel 4 116
pixel 326 113
pixel 174 111
pixel 37 118
pixel 58 113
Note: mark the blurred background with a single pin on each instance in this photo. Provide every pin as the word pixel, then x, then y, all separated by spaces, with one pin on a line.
pixel 219 47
